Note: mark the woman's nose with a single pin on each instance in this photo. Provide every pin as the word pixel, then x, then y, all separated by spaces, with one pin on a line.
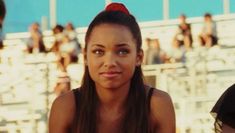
pixel 110 60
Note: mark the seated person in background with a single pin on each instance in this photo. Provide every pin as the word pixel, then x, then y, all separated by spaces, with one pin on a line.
pixel 208 36
pixel 70 31
pixel 183 36
pixel 35 43
pixel 68 52
pixel 175 54
pixel 58 34
pixel 155 55
pixel 72 34
pixel 224 112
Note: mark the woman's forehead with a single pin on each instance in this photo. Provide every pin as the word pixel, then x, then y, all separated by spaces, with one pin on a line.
pixel 111 27
pixel 111 33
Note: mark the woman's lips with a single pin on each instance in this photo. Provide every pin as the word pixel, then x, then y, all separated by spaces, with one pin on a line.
pixel 110 74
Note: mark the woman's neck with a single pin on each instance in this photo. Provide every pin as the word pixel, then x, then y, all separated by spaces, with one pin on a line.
pixel 112 99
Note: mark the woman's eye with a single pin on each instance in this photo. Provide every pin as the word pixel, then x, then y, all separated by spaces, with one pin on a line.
pixel 98 52
pixel 123 51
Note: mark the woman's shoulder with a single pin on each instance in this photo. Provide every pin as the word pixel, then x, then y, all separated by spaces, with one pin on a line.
pixel 59 116
pixel 160 100
pixel 66 99
pixel 162 111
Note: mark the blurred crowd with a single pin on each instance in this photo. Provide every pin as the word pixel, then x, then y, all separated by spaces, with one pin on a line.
pixel 66 45
pixel 67 48
pixel 182 42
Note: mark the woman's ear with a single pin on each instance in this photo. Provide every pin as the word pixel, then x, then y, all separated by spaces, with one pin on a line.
pixel 140 57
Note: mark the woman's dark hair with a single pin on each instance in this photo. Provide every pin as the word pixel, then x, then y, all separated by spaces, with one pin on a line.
pixel 136 118
pixel 2 9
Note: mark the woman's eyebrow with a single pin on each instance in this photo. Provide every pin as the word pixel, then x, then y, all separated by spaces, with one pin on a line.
pixel 122 45
pixel 97 45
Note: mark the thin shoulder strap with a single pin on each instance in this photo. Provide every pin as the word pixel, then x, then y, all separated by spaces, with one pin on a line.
pixel 149 95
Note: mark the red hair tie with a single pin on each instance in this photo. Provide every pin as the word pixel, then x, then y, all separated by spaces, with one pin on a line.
pixel 117 7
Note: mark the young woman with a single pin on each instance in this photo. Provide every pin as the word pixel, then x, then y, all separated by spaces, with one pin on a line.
pixel 113 97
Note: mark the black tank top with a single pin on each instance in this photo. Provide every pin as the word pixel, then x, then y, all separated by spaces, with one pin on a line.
pixel 77 98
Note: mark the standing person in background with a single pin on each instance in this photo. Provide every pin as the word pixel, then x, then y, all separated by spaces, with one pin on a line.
pixel 113 97
pixel 2 16
pixel 224 112
pixel 208 36
pixel 183 36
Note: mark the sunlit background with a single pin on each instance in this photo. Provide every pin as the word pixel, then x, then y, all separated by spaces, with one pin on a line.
pixel 30 81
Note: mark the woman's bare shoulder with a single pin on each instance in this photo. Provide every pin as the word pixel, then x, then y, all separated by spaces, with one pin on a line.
pixel 160 100
pixel 162 111
pixel 159 94
pixel 66 100
pixel 62 113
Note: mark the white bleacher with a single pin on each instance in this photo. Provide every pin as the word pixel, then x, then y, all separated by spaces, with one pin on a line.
pixel 26 94
pixel 193 93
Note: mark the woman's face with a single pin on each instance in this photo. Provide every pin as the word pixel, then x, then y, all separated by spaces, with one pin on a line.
pixel 111 56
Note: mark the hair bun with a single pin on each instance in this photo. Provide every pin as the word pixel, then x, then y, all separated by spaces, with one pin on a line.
pixel 117 7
